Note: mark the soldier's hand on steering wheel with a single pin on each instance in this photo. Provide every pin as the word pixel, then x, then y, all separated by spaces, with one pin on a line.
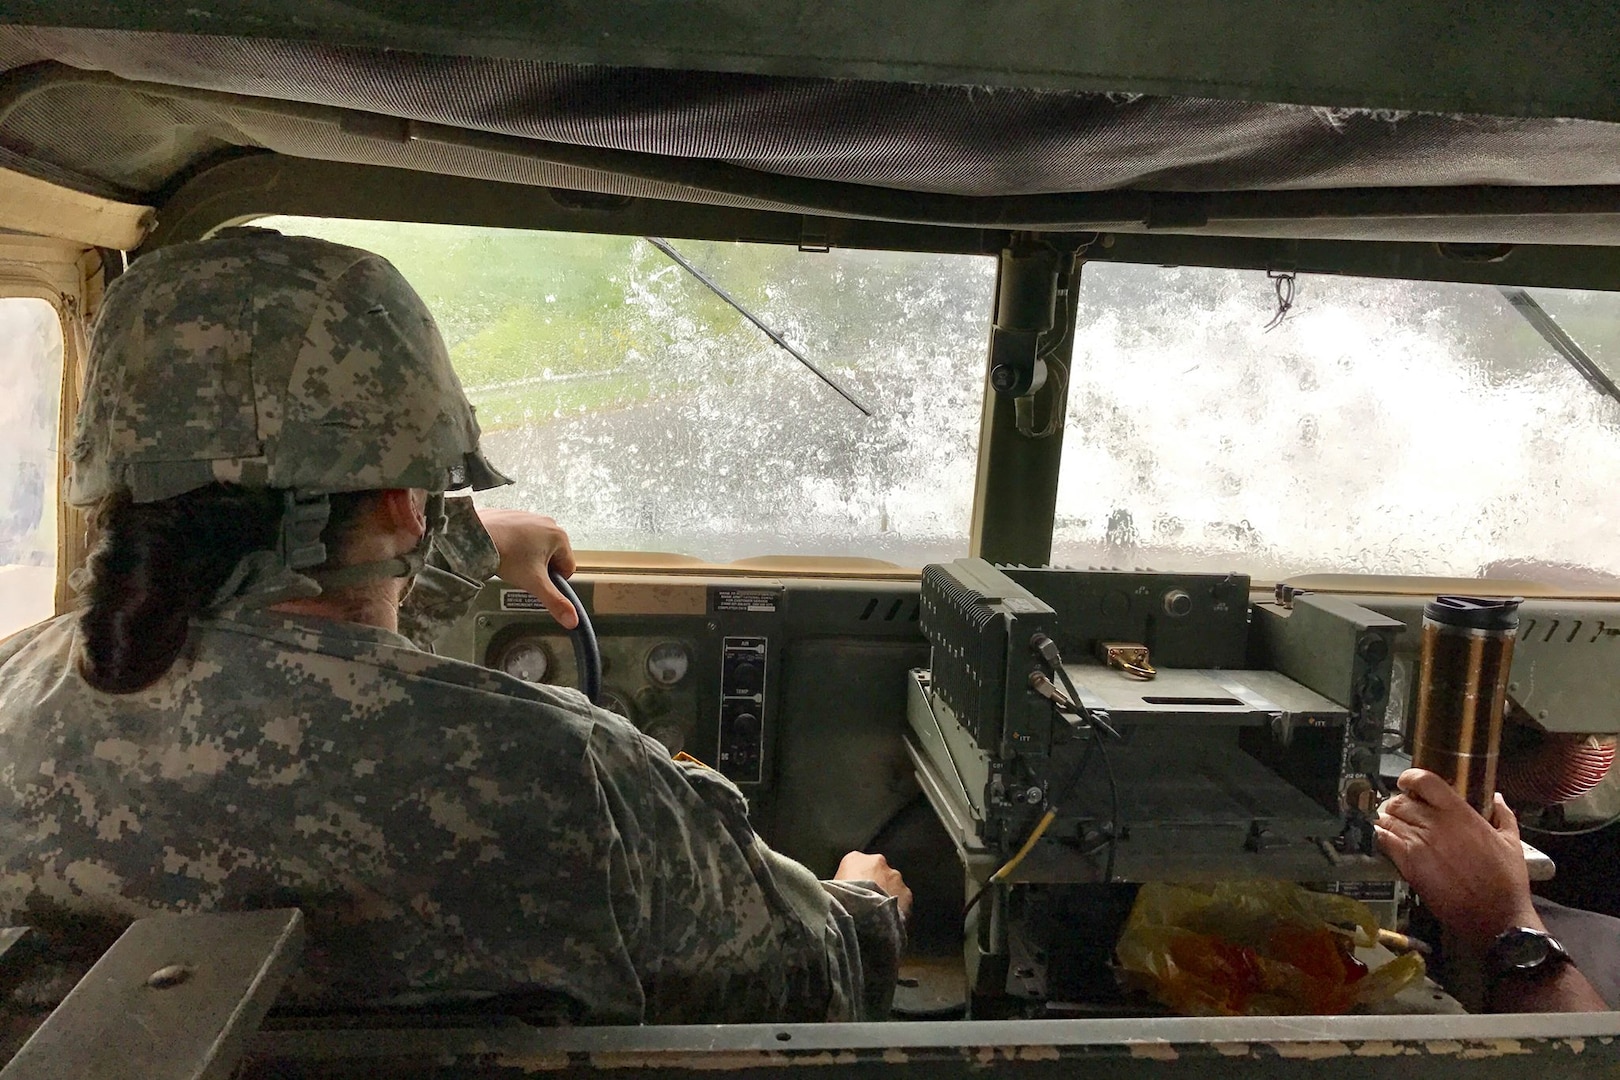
pixel 529 544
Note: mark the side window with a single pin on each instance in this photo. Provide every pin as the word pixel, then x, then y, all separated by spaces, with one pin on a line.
pixel 30 398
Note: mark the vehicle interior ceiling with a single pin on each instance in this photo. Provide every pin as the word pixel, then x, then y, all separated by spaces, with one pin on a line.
pixel 1108 232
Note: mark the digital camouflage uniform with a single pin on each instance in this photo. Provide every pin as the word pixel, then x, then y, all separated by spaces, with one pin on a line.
pixel 449 832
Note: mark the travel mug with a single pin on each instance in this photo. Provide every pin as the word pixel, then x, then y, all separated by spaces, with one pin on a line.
pixel 1462 692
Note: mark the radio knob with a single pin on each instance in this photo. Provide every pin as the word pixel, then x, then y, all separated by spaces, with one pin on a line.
pixel 1177 603
pixel 1373 648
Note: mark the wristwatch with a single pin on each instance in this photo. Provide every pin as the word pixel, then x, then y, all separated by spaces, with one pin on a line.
pixel 1521 952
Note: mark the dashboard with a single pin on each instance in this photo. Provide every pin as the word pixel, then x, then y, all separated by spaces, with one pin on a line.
pixel 795 688
pixel 691 663
pixel 791 687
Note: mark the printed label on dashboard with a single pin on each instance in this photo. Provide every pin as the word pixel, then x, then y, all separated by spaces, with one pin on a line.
pixel 756 600
pixel 518 600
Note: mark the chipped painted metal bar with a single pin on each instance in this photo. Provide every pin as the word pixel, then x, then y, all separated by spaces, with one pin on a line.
pixel 175 998
pixel 1351 1046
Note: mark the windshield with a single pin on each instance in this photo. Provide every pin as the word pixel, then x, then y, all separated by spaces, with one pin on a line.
pixel 1381 427
pixel 644 412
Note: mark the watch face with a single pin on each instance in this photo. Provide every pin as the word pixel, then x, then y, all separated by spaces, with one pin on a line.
pixel 1523 949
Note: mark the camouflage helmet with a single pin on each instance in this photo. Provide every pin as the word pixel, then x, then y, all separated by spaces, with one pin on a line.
pixel 269 361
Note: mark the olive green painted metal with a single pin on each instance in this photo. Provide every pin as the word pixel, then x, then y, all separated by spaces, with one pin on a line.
pixel 256 184
pixel 1354 1048
pixel 249 186
pixel 1563 668
pixel 175 998
pixel 1549 266
pixel 1504 57
pixel 1015 490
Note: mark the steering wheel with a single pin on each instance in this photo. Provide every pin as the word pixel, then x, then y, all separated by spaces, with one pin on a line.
pixel 587 652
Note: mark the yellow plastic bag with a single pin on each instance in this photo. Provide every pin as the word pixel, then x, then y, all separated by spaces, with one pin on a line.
pixel 1255 948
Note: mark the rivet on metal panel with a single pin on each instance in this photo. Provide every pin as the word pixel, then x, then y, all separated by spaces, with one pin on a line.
pixel 169 975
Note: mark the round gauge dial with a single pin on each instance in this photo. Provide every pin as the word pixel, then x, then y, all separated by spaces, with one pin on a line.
pixel 667 664
pixel 527 659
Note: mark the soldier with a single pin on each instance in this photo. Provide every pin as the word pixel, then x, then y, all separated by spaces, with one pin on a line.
pixel 236 720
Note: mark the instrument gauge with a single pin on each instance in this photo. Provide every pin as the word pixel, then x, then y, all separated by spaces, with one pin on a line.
pixel 667 664
pixel 527 659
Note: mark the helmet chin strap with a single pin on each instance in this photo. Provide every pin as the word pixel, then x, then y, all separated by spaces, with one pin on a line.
pixel 265 578
pixel 405 566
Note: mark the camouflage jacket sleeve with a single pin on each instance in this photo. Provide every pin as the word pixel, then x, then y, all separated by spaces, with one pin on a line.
pixel 740 932
pixel 462 559
pixel 875 917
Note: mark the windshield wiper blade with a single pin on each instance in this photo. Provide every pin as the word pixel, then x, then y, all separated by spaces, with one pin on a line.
pixel 1562 344
pixel 680 260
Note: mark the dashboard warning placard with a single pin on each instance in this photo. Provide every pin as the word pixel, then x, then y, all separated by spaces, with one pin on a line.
pixel 519 600
pixel 752 600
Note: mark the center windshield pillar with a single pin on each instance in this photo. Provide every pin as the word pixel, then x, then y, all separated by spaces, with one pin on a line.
pixel 1025 394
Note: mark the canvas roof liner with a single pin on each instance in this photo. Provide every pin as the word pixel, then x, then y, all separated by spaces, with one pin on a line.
pixel 956 140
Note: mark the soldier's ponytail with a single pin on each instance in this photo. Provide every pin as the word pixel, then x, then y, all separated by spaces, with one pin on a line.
pixel 159 564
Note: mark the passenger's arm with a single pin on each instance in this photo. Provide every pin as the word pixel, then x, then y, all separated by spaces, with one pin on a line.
pixel 475 546
pixel 1565 990
pixel 1470 872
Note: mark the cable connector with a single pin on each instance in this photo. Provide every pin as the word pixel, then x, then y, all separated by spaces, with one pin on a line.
pixel 1043 686
pixel 1047 650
